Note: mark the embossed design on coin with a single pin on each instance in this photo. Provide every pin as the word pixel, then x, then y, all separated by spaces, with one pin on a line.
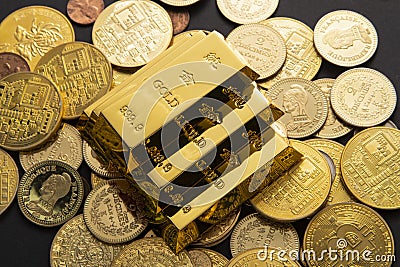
pixel 363 97
pixel 179 2
pixel 95 179
pixel 345 38
pixel 217 259
pixel 370 167
pixel 67 147
pixel 114 212
pixel 9 180
pixel 30 110
pixel 50 193
pixel 199 258
pixel 132 33
pixel 346 228
pixel 74 245
pixel 86 11
pixel 91 159
pixel 262 47
pixel 257 257
pixel 180 19
pixel 12 63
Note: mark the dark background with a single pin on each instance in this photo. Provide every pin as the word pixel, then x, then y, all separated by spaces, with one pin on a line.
pixel 22 243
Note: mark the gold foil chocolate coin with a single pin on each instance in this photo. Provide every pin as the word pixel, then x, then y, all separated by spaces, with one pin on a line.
pixel 9 180
pixel 12 63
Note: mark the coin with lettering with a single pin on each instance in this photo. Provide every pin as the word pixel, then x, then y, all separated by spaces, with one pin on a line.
pixel 199 258
pixel 300 192
pixel 50 193
pixel 355 235
pixel 30 111
pixel 262 47
pixel 345 38
pixel 304 103
pixel 370 167
pixel 114 213
pixel 180 19
pixel 131 33
pixel 33 31
pixel 9 180
pixel 74 245
pixel 179 2
pixel 92 160
pixel 300 51
pixel 80 71
pixel 12 63
pixel 217 259
pixel 245 12
pixel 363 97
pixel 262 257
pixel 67 147
pixel 151 252
pixel 84 12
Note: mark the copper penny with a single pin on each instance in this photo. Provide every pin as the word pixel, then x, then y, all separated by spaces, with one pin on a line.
pixel 84 11
pixel 180 19
pixel 12 63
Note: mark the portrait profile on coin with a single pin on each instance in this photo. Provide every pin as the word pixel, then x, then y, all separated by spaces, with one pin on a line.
pixel 345 38
pixel 294 102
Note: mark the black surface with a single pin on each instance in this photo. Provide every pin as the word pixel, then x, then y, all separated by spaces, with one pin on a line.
pixel 25 244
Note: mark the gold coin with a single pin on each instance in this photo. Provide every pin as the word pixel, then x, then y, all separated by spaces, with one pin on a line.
pixel 348 234
pixel 9 180
pixel 151 252
pixel 30 110
pixel 80 71
pixel 217 259
pixel 67 147
pixel 363 97
pixel 338 193
pixel 95 179
pixel 302 59
pixel 300 192
pixel 74 245
pixel 199 258
pixel 132 33
pixel 387 123
pixel 345 38
pixel 262 47
pixel 114 213
pixel 50 193
pixel 245 12
pixel 92 160
pixel 304 103
pixel 334 127
pixel 370 167
pixel 33 31
pixel 179 2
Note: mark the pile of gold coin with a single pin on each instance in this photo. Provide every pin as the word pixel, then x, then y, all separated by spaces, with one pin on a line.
pixel 48 79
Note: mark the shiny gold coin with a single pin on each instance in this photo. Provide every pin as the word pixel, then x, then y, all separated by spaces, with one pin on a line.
pixel 300 192
pixel 50 193
pixel 67 147
pixel 80 71
pixel 199 258
pixel 354 234
pixel 304 103
pixel 338 193
pixel 151 252
pixel 92 160
pixel 179 2
pixel 114 212
pixel 302 59
pixel 33 31
pixel 387 123
pixel 74 245
pixel 246 12
pixel 370 167
pixel 262 47
pixel 363 97
pixel 9 180
pixel 95 179
pixel 254 231
pixel 132 33
pixel 345 38
pixel 217 259
pixel 334 127
pixel 30 110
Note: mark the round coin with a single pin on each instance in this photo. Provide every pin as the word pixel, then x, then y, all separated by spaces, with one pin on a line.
pixel 113 212
pixel 363 97
pixel 304 103
pixel 50 193
pixel 370 167
pixel 84 12
pixel 179 2
pixel 151 252
pixel 132 33
pixel 245 12
pixel 67 147
pixel 217 259
pixel 345 230
pixel 80 71
pixel 387 123
pixel 180 19
pixel 262 47
pixel 30 111
pixel 95 179
pixel 74 245
pixel 33 31
pixel 9 180
pixel 199 258
pixel 12 63
pixel 91 159
pixel 300 192
pixel 345 38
